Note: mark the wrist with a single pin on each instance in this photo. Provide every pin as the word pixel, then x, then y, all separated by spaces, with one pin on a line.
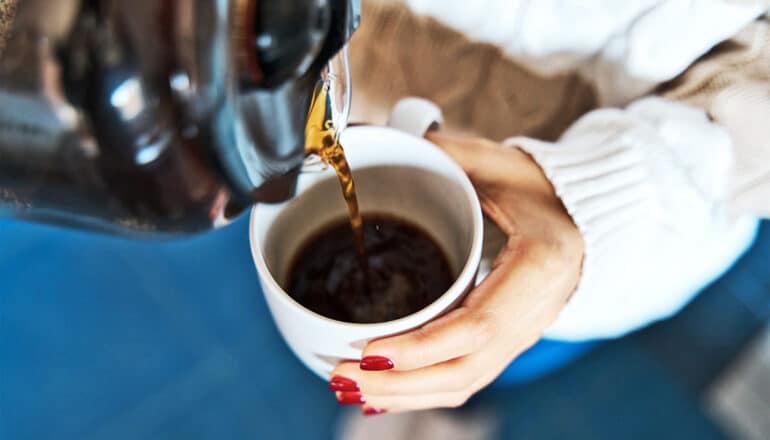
pixel 560 224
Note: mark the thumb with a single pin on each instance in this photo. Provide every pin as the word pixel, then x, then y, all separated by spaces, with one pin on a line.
pixel 487 161
pixel 471 153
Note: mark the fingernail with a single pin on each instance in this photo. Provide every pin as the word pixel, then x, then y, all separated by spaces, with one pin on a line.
pixel 376 363
pixel 342 383
pixel 369 411
pixel 350 398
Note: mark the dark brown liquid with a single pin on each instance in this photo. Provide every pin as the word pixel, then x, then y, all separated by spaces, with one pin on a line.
pixel 405 271
pixel 390 268
pixel 321 138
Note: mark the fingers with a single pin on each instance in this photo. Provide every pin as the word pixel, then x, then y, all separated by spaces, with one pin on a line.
pixel 464 150
pixel 452 376
pixel 445 385
pixel 456 334
pixel 489 161
pixel 441 364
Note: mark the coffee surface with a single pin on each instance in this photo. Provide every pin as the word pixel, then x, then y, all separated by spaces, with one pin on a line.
pixel 406 271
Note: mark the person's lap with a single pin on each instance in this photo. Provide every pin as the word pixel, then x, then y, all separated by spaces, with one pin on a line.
pixel 123 338
pixel 112 338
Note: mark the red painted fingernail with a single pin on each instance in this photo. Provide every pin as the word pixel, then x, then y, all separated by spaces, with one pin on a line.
pixel 369 411
pixel 342 383
pixel 350 398
pixel 376 363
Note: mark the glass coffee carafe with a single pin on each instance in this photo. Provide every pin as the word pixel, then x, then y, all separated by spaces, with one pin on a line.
pixel 160 116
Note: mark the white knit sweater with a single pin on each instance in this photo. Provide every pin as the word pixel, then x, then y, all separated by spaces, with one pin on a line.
pixel 648 182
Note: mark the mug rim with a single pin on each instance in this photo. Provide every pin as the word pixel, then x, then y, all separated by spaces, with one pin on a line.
pixel 463 281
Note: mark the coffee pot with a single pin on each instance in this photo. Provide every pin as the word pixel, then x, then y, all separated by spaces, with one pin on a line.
pixel 160 116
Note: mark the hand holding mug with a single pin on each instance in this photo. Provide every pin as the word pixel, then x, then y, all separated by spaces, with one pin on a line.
pixel 441 355
pixel 447 360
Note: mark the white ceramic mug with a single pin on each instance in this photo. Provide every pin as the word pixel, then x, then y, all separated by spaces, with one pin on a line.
pixel 395 173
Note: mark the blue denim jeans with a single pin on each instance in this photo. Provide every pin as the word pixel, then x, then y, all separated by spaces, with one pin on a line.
pixel 543 358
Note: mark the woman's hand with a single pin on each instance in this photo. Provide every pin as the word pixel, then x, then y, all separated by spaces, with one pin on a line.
pixel 446 361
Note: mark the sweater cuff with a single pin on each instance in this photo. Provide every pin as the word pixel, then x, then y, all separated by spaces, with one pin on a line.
pixel 601 178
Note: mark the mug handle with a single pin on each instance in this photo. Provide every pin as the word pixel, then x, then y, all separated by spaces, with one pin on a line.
pixel 415 116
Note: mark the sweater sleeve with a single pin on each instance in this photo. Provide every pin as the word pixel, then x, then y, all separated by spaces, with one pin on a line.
pixel 647 186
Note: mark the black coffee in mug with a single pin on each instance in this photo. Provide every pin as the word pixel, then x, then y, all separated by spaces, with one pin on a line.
pixel 402 271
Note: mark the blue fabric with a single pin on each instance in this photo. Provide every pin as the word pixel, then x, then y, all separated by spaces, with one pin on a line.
pixel 108 338
pixel 104 338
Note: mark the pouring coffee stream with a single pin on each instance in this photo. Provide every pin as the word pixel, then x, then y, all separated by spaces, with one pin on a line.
pixel 322 139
